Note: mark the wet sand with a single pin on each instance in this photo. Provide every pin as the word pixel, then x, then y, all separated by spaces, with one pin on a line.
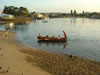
pixel 12 61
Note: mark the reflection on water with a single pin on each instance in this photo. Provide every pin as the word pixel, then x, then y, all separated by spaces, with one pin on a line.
pixel 11 26
pixel 64 44
pixel 22 22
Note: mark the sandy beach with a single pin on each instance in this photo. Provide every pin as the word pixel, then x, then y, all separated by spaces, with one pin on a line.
pixel 12 61
pixel 18 59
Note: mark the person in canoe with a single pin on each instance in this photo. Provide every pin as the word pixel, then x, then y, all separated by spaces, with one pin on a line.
pixel 65 35
pixel 40 35
pixel 53 36
pixel 59 37
pixel 48 36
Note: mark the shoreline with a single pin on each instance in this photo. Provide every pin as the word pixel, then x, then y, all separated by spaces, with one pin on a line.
pixel 12 61
pixel 18 59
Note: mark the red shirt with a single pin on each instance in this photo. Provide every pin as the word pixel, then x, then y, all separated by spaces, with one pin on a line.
pixel 64 33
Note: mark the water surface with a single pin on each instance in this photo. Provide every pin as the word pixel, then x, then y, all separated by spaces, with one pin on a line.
pixel 83 35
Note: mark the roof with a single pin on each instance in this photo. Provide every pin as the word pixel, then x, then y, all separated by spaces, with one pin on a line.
pixel 1 15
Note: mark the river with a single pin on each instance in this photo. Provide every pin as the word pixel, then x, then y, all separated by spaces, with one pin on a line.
pixel 83 35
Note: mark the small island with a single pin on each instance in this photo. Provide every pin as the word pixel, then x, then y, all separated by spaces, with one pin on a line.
pixel 11 13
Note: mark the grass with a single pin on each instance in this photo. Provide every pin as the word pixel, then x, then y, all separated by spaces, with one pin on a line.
pixel 58 64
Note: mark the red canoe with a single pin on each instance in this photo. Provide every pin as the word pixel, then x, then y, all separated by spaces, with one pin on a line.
pixel 51 39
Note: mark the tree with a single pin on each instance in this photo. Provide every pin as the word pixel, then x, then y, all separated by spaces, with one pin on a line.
pixel 75 13
pixel 71 13
pixel 21 11
pixel 5 9
pixel 83 14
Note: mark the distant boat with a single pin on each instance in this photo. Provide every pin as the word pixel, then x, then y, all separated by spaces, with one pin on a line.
pixel 44 21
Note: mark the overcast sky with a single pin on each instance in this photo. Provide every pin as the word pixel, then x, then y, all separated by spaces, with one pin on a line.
pixel 54 5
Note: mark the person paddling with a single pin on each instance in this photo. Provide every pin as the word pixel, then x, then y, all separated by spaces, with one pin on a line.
pixel 65 34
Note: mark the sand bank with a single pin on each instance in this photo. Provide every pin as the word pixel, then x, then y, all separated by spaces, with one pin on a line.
pixel 12 61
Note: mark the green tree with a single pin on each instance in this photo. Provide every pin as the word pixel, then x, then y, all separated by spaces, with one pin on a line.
pixel 75 13
pixel 71 13
pixel 83 14
pixel 5 9
pixel 21 11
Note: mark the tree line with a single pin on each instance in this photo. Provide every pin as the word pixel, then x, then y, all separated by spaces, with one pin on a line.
pixel 75 14
pixel 22 11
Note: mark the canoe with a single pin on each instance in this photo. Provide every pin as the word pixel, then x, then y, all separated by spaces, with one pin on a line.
pixel 52 39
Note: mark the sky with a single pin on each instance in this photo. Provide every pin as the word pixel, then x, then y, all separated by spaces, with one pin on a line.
pixel 63 6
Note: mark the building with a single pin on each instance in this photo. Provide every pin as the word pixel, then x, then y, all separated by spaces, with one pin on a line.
pixel 39 16
pixel 0 12
pixel 6 16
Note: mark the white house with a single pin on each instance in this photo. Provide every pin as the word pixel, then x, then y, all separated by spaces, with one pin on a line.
pixel 40 15
pixel 6 16
pixel 0 12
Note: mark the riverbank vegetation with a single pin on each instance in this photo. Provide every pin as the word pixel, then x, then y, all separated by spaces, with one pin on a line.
pixel 23 12
pixel 58 64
